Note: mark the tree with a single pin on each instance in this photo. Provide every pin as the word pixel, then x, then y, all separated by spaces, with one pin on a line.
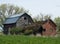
pixel 57 21
pixel 10 10
pixel 37 18
pixel 41 17
pixel 47 17
pixel 7 10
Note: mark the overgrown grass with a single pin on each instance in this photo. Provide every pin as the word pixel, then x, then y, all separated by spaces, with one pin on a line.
pixel 17 39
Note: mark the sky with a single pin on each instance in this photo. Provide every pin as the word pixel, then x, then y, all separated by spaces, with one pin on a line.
pixel 50 7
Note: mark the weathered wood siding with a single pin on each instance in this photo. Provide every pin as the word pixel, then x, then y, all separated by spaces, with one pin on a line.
pixel 24 20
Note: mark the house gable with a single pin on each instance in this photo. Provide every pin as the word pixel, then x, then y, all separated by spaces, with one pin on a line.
pixel 50 27
pixel 24 20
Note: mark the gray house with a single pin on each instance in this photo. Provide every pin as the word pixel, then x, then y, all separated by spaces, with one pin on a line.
pixel 18 20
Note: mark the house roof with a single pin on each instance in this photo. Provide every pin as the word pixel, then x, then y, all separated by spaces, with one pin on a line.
pixel 45 21
pixel 16 15
pixel 50 20
pixel 12 19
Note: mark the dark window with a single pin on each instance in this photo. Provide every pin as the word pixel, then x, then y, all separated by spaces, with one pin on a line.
pixel 44 29
pixel 25 18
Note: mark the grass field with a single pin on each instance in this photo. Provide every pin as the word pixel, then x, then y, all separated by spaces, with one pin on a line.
pixel 9 39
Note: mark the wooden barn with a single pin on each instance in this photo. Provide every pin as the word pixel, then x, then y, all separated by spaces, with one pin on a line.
pixel 19 20
pixel 50 27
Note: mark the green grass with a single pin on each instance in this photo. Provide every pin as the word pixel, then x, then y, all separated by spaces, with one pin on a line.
pixel 28 40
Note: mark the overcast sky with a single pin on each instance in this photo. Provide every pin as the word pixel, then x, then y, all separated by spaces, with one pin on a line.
pixel 51 7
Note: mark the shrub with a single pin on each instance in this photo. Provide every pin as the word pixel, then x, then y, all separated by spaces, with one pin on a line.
pixel 15 30
pixel 28 32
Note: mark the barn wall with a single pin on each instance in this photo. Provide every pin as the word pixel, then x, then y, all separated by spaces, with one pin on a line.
pixel 7 26
pixel 53 27
pixel 24 20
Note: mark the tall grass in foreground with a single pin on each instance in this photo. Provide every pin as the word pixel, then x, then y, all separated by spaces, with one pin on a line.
pixel 17 39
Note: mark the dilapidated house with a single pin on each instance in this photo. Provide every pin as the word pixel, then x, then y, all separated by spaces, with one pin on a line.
pixel 46 27
pixel 50 27
pixel 18 20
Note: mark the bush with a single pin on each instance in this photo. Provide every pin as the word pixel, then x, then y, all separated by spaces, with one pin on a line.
pixel 28 32
pixel 15 30
pixel 18 30
pixel 31 29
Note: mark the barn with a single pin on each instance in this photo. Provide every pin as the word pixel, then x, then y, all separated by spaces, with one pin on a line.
pixel 47 27
pixel 50 27
pixel 18 20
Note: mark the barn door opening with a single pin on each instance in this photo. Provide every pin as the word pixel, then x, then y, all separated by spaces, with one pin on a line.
pixel 40 30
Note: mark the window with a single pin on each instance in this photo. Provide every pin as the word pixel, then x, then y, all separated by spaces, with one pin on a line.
pixel 25 18
pixel 44 29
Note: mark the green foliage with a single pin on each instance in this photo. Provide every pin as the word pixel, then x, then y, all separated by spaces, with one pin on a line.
pixel 18 30
pixel 10 9
pixel 57 21
pixel 41 17
pixel 19 39
pixel 28 32
pixel 15 30
pixel 47 17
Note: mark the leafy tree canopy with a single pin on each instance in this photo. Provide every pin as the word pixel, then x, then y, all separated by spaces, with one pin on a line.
pixel 57 21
